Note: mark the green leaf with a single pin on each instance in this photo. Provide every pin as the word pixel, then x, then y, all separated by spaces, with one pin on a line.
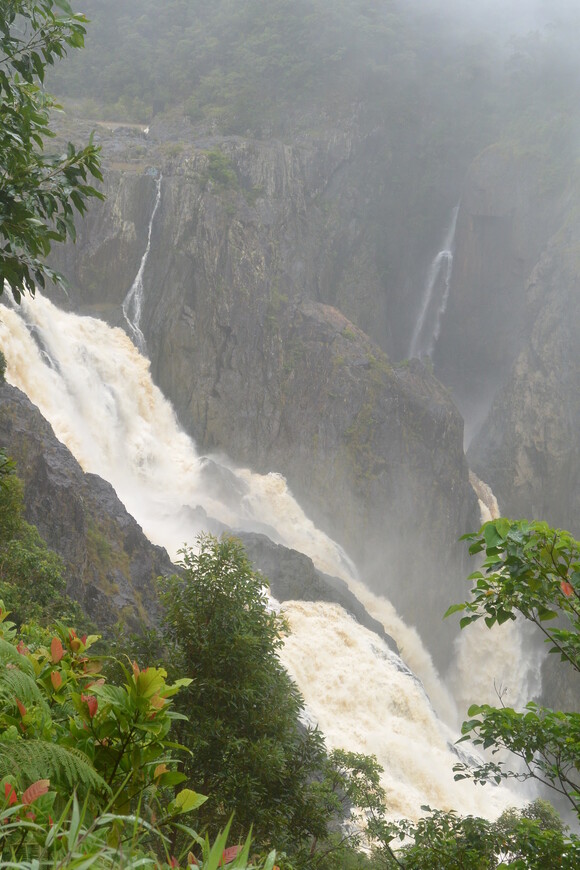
pixel 455 608
pixel 491 535
pixel 187 800
pixel 544 614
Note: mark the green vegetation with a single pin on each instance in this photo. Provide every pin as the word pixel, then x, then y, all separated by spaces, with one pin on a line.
pixel 532 838
pixel 101 758
pixel 87 774
pixel 533 571
pixel 242 712
pixel 32 582
pixel 220 170
pixel 39 192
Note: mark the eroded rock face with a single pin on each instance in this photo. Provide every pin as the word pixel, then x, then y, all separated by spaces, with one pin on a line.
pixel 529 444
pixel 257 364
pixel 110 565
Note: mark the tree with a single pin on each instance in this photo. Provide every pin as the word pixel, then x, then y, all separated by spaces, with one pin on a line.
pixel 533 571
pixel 247 744
pixel 39 192
pixel 528 839
pixel 529 571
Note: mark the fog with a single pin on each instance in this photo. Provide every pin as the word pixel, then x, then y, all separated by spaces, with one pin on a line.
pixel 409 165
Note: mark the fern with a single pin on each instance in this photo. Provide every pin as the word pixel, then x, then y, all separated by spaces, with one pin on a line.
pixel 67 769
pixel 17 684
pixel 10 655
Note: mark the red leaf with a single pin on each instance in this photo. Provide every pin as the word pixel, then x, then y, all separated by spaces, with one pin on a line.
pixel 21 707
pixel 229 854
pixel 567 588
pixel 56 650
pixel 10 794
pixel 35 790
pixel 56 680
pixel 91 703
pixel 22 648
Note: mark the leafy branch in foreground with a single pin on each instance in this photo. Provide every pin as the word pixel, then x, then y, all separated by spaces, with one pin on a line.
pixel 39 192
pixel 533 571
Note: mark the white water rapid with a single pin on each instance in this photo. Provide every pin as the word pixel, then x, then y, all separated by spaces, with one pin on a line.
pixel 435 296
pixel 94 387
pixel 133 302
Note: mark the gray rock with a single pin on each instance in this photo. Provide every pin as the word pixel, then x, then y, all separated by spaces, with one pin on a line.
pixel 110 564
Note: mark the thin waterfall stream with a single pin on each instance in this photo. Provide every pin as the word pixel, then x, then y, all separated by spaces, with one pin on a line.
pixel 94 387
pixel 133 302
pixel 435 296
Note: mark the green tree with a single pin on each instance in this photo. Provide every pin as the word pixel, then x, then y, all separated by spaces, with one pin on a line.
pixel 39 191
pixel 247 744
pixel 528 839
pixel 533 571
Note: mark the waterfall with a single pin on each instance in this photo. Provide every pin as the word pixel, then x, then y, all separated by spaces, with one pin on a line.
pixel 133 302
pixel 435 296
pixel 94 387
pixel 503 660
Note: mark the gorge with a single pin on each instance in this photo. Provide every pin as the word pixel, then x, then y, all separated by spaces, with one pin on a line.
pixel 93 386
pixel 333 256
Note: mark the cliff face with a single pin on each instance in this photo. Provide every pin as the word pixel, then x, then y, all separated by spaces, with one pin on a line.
pixel 507 212
pixel 529 443
pixel 508 346
pixel 245 242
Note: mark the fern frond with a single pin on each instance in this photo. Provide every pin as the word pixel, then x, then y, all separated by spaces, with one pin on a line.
pixel 17 684
pixel 67 769
pixel 10 655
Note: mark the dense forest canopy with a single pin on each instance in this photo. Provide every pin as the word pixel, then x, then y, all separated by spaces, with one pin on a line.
pixel 259 66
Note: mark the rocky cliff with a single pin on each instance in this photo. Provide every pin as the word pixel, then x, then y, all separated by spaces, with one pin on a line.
pixel 508 347
pixel 529 443
pixel 110 565
pixel 247 250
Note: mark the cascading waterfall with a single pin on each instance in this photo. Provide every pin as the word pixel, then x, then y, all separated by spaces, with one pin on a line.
pixel 501 662
pixel 133 302
pixel 435 296
pixel 94 387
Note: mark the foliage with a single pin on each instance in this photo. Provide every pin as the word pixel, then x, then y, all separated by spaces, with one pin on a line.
pixel 242 727
pixel 39 192
pixel 220 170
pixel 532 838
pixel 67 734
pixel 32 578
pixel 532 571
pixel 243 731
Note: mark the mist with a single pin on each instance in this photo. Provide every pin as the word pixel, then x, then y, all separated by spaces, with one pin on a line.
pixel 339 250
